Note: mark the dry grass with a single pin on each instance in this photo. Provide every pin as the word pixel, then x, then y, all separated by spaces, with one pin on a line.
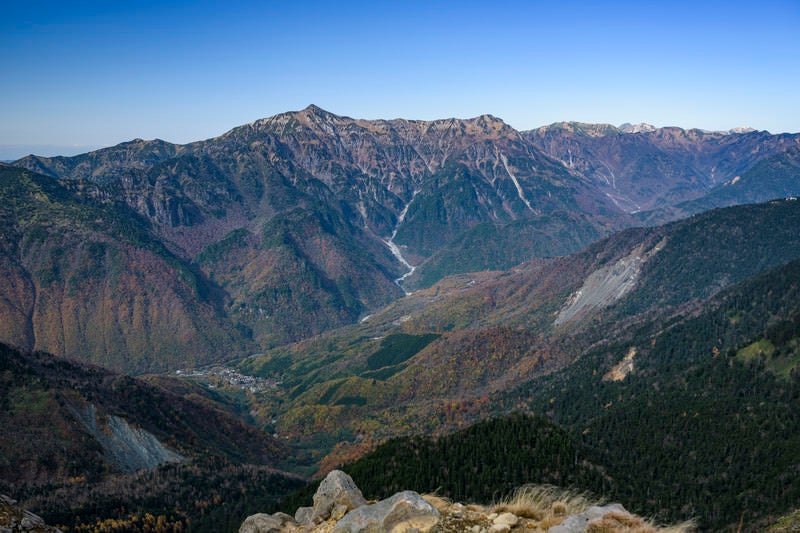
pixel 545 506
pixel 440 503
pixel 544 502
pixel 549 506
pixel 684 527
pixel 617 522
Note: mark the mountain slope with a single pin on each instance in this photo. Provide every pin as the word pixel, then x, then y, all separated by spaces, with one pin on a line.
pixel 59 417
pixel 88 448
pixel 716 389
pixel 87 279
pixel 777 176
pixel 653 168
pixel 715 386
pixel 495 330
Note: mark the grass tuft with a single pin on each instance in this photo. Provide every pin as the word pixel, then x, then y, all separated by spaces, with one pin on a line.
pixel 544 502
pixel 621 522
pixel 549 506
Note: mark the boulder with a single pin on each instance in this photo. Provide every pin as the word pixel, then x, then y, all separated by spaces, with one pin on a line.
pixel 405 511
pixel 265 523
pixel 303 515
pixel 508 519
pixel 578 523
pixel 336 489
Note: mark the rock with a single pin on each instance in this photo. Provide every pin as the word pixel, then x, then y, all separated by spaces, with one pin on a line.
pixel 15 519
pixel 405 511
pixel 303 515
pixel 499 528
pixel 265 523
pixel 336 489
pixel 508 519
pixel 338 511
pixel 578 523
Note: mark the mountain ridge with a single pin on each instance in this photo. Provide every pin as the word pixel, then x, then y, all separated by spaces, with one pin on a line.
pixel 303 222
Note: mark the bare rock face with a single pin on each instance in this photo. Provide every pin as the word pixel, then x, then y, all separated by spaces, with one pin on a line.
pixel 405 511
pixel 127 448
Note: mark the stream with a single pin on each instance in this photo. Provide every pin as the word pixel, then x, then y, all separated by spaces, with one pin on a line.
pixel 396 249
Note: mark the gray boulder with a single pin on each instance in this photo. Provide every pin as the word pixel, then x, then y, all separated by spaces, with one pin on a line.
pixel 265 523
pixel 303 515
pixel 578 523
pixel 405 511
pixel 336 489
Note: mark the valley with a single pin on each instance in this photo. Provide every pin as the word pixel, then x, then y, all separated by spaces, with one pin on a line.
pixel 311 291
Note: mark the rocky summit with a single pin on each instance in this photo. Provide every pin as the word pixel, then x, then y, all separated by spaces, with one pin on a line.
pixel 339 507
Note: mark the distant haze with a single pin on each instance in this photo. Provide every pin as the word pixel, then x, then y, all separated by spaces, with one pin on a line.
pixel 12 152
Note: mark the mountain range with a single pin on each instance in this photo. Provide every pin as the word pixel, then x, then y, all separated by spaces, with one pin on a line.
pixel 137 255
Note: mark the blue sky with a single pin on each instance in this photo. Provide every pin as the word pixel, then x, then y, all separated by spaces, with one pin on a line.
pixel 77 75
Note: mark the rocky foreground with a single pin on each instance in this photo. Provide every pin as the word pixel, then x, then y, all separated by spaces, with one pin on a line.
pixel 14 519
pixel 340 507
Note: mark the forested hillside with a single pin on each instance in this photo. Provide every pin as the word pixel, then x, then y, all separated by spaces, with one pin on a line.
pixel 704 424
pixel 93 451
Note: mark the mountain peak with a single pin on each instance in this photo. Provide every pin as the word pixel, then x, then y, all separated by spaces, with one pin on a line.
pixel 581 128
pixel 642 127
pixel 313 109
pixel 488 124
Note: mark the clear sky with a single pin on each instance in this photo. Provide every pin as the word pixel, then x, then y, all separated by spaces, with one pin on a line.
pixel 79 75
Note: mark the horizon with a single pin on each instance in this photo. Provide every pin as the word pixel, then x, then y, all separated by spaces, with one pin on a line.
pixel 89 76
